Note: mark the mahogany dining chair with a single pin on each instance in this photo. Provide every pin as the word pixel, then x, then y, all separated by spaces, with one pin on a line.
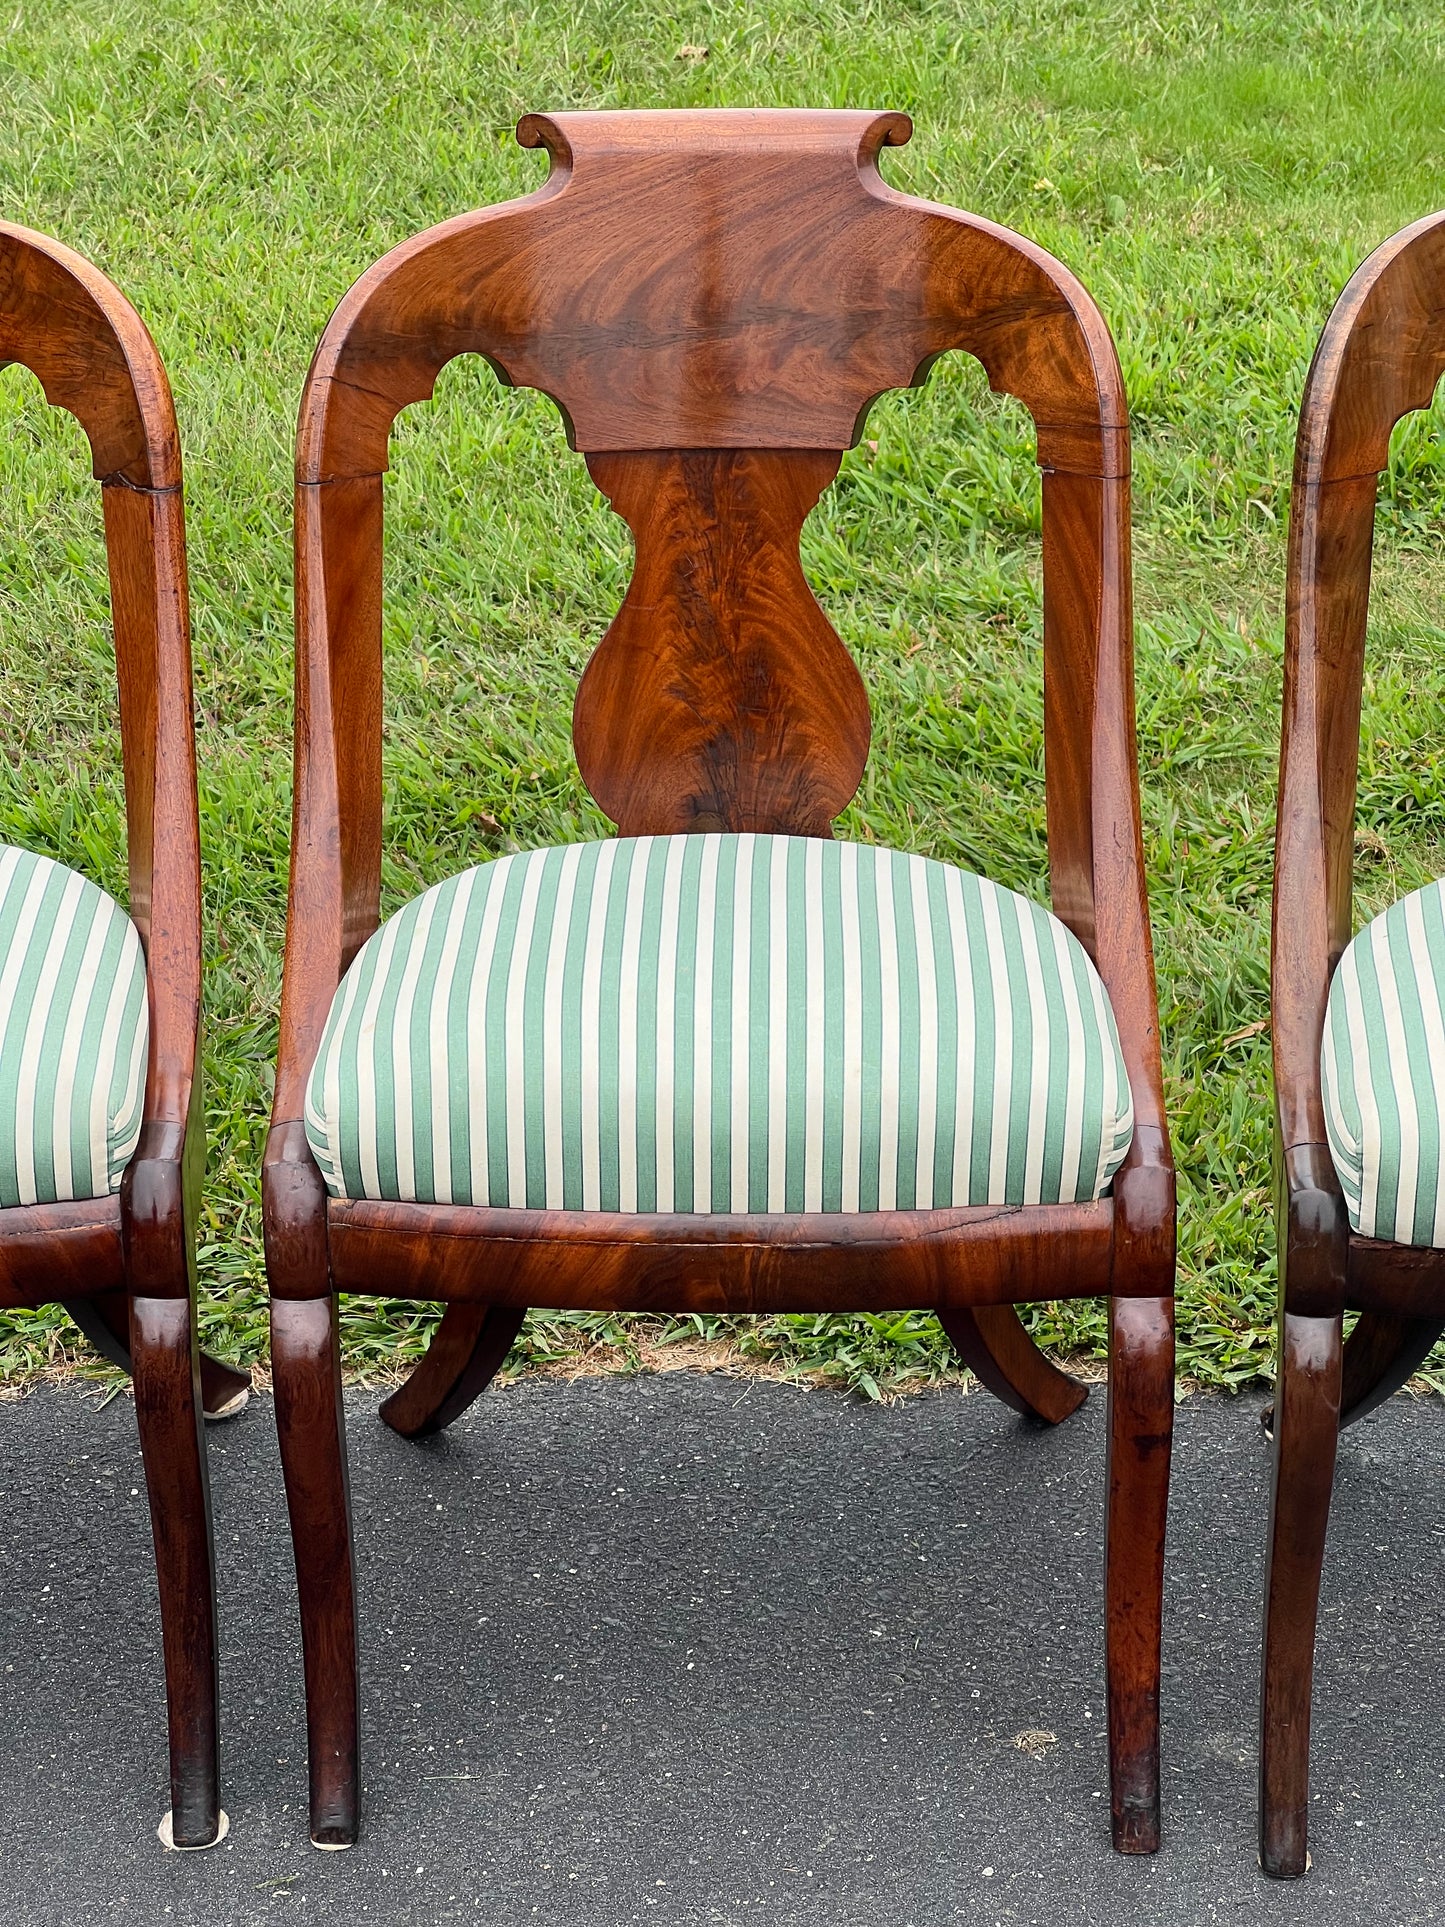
pixel 1358 1020
pixel 102 1138
pixel 722 1062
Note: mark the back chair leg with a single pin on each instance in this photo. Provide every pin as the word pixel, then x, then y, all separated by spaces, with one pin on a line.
pixel 306 1363
pixel 993 1344
pixel 1381 1353
pixel 1141 1428
pixel 167 1401
pixel 468 1350
pixel 1306 1431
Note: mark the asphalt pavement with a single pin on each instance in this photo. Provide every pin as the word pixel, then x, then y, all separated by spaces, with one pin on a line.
pixel 707 1649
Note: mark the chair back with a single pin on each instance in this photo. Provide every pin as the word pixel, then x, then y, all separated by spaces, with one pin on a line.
pixel 1380 357
pixel 713 299
pixel 92 354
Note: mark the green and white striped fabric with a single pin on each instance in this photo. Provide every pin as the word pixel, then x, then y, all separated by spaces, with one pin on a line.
pixel 74 1029
pixel 1382 1067
pixel 720 1023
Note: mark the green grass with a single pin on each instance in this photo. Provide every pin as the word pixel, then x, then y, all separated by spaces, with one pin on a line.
pixel 1213 175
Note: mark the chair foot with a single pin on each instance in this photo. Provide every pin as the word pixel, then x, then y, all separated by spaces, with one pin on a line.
pixel 1307 1418
pixel 993 1344
pixel 1141 1427
pixel 166 1834
pixel 225 1391
pixel 173 1451
pixel 306 1364
pixel 468 1349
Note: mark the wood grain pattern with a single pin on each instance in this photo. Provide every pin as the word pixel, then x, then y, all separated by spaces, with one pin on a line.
pixel 1306 1428
pixel 311 1424
pixel 1141 1427
pixel 166 1369
pixel 721 697
pixel 1398 1281
pixel 711 280
pixel 89 350
pixel 105 1321
pixel 808 1261
pixel 64 321
pixel 1380 356
pixel 713 299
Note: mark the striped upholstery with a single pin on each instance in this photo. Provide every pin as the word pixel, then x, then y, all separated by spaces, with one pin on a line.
pixel 720 1023
pixel 74 1028
pixel 1382 1065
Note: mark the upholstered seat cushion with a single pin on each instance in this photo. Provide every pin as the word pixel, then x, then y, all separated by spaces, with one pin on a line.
pixel 74 1028
pixel 720 1023
pixel 1382 1065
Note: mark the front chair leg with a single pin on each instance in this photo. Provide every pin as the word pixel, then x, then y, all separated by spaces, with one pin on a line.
pixel 105 1321
pixel 306 1363
pixel 173 1449
pixel 1306 1432
pixel 1141 1427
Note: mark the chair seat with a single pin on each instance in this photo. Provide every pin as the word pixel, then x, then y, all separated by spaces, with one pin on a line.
pixel 717 1023
pixel 74 1030
pixel 1382 1067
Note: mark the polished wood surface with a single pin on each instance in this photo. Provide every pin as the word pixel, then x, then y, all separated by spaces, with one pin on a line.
pixel 1397 1281
pixel 713 299
pixel 165 1366
pixel 1141 1431
pixel 1306 1428
pixel 64 321
pixel 720 698
pixel 469 1349
pixel 1381 1354
pixel 811 1261
pixel 993 1344
pixel 712 280
pixel 105 1321
pixel 1380 356
pixel 311 1424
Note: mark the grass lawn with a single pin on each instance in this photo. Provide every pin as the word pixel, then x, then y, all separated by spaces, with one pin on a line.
pixel 1212 174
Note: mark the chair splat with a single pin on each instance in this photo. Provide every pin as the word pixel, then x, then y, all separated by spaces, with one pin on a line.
pixel 721 697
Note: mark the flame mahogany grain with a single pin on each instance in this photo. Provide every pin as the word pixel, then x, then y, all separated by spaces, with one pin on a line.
pixel 1380 357
pixel 127 1262
pixel 721 698
pixel 713 300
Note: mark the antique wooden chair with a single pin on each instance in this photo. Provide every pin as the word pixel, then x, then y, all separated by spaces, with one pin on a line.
pixel 102 1138
pixel 713 300
pixel 1359 1054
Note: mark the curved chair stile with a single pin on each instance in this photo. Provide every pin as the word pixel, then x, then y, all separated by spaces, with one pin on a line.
pixel 123 1265
pixel 714 454
pixel 1380 357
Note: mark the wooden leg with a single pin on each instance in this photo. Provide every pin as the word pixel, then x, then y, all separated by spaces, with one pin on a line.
pixel 173 1449
pixel 1306 1431
pixel 1141 1427
pixel 468 1350
pixel 993 1344
pixel 1381 1353
pixel 105 1321
pixel 306 1363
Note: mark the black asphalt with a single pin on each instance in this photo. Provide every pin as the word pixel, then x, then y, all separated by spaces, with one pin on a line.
pixel 712 1650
